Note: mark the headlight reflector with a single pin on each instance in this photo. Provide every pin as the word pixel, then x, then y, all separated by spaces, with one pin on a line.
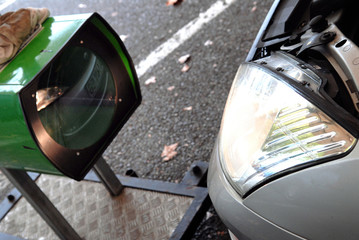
pixel 268 128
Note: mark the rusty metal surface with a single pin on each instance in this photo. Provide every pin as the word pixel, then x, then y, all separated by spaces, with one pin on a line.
pixel 94 214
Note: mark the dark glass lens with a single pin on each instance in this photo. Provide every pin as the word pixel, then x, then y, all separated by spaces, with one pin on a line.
pixel 76 98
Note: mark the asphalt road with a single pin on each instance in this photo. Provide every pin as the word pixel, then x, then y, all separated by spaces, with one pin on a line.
pixel 180 107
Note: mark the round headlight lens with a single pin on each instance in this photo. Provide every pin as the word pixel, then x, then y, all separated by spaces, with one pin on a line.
pixel 76 98
pixel 268 128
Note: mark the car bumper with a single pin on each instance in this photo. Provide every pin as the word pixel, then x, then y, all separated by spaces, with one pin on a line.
pixel 241 221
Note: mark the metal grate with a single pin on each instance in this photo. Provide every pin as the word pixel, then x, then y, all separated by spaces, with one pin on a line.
pixel 94 214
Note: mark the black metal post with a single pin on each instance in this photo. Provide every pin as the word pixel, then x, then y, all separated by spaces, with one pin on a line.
pixel 108 177
pixel 41 203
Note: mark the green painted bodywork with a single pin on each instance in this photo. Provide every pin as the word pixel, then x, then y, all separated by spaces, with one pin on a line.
pixel 17 147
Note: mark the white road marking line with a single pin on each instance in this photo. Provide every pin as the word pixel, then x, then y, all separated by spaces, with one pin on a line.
pixel 6 4
pixel 181 36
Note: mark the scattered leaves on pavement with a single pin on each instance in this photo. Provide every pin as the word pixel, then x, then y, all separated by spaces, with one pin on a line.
pixel 208 215
pixel 185 68
pixel 171 88
pixel 173 2
pixel 151 80
pixel 185 58
pixel 123 37
pixel 169 152
pixel 208 43
pixel 254 8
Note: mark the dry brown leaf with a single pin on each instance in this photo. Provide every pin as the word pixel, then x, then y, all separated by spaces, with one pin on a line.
pixel 151 80
pixel 184 59
pixel 123 37
pixel 208 215
pixel 171 88
pixel 208 43
pixel 169 152
pixel 185 68
pixel 173 2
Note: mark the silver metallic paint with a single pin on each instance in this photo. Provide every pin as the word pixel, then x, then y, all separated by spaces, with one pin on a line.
pixel 242 221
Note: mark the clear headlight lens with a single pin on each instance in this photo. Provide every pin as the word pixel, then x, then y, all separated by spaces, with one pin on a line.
pixel 268 128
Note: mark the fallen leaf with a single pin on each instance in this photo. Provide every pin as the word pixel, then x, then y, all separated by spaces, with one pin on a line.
pixel 208 43
pixel 185 68
pixel 171 88
pixel 150 80
pixel 173 2
pixel 82 5
pixel 208 215
pixel 123 37
pixel 184 59
pixel 187 108
pixel 254 9
pixel 169 152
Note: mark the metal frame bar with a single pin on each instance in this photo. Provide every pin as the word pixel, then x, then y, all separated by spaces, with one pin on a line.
pixel 12 197
pixel 263 27
pixel 108 177
pixel 115 184
pixel 196 211
pixel 41 203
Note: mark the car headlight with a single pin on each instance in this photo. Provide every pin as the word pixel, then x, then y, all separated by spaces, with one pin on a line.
pixel 268 128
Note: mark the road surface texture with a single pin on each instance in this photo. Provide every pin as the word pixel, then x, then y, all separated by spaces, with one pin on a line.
pixel 179 107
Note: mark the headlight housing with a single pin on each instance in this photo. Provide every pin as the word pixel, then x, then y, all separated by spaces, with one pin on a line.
pixel 268 128
pixel 65 97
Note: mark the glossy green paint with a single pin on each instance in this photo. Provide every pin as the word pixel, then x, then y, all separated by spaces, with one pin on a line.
pixel 17 147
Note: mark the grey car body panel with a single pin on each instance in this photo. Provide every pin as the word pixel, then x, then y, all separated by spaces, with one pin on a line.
pixel 319 202
pixel 242 221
